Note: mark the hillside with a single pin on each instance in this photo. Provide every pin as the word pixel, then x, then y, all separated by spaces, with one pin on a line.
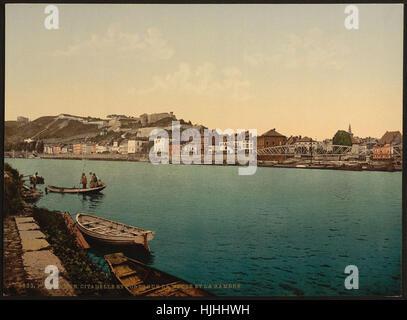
pixel 46 128
pixel 54 129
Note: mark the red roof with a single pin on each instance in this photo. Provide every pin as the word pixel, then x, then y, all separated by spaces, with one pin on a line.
pixel 391 137
pixel 272 133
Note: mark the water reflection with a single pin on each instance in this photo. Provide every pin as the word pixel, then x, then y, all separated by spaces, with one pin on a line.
pixel 93 200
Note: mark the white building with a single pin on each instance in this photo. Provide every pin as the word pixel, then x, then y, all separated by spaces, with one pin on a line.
pixel 123 148
pixel 131 146
pixel 161 144
pixel 101 148
pixel 48 149
pixel 115 147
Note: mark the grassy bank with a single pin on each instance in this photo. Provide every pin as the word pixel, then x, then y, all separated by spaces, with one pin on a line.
pixel 84 275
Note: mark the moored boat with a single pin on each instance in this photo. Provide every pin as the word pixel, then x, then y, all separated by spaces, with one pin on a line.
pixel 142 280
pixel 40 180
pixel 111 232
pixel 74 190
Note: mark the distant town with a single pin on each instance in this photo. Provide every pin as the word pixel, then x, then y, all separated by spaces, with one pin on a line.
pixel 121 137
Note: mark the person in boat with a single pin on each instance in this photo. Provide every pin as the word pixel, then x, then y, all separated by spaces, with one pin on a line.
pixel 34 180
pixel 91 180
pixel 95 180
pixel 84 181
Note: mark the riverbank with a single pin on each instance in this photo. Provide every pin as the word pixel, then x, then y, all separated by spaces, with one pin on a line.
pixel 337 165
pixel 347 165
pixel 35 238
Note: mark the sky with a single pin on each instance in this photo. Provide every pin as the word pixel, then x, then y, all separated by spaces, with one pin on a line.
pixel 292 67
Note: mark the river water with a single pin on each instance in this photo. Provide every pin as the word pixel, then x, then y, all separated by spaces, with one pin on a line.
pixel 280 232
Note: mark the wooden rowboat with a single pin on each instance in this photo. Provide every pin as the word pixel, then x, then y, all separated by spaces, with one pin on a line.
pixel 75 190
pixel 142 280
pixel 111 232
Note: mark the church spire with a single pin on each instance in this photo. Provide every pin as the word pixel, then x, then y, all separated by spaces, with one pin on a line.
pixel 350 129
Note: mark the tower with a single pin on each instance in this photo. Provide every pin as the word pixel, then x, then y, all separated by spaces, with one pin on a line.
pixel 350 129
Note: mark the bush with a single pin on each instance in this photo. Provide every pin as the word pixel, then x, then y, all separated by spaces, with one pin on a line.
pixel 13 183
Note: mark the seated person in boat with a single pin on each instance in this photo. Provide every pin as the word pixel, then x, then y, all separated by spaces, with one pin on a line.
pixel 93 180
pixel 84 181
pixel 96 180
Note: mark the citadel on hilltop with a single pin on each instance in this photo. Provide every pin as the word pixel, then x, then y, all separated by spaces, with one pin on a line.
pixel 123 135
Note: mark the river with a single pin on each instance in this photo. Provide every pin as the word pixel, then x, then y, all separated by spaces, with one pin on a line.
pixel 280 232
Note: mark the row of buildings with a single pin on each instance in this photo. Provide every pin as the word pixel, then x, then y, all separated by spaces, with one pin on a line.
pixel 81 148
pixel 385 148
pixel 142 144
pixel 388 147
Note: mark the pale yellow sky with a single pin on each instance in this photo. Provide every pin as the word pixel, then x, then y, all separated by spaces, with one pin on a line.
pixel 295 68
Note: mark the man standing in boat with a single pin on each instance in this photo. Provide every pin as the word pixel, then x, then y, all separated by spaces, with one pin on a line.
pixel 34 180
pixel 84 181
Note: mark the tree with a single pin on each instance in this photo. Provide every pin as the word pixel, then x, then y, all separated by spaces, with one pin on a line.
pixel 342 138
pixel 39 147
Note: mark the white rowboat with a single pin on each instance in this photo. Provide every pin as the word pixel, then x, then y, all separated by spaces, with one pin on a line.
pixel 111 232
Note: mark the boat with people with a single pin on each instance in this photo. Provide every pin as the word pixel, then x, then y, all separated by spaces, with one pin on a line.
pixel 111 232
pixel 38 180
pixel 140 279
pixel 74 190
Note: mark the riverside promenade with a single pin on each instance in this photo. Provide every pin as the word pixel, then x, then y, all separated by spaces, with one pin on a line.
pixel 367 165
pixel 26 255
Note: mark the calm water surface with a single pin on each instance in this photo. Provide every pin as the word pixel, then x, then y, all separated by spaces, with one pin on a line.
pixel 280 232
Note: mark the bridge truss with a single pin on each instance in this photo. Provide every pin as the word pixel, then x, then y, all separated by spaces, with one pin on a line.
pixel 334 150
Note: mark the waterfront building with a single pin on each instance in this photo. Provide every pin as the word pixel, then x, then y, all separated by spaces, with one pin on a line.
pixel 101 148
pixel 161 144
pixel 369 142
pixel 292 140
pixel 131 146
pixel 124 147
pixel 304 142
pixel 246 144
pixel 88 148
pixel 389 146
pixel 140 143
pixel 382 152
pixel 56 149
pixel 327 145
pixel 77 148
pixel 356 147
pixel 48 149
pixel 115 146
pixel 271 138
